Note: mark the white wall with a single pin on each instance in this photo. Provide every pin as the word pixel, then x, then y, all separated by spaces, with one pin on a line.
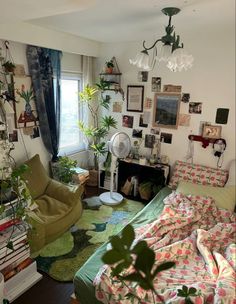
pixel 211 81
pixel 31 34
pixel 26 147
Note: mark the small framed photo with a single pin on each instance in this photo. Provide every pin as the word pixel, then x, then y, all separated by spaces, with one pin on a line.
pixel 143 76
pixel 127 121
pixel 149 140
pixel 172 88
pixel 185 97
pixel 195 108
pixel 211 131
pixel 156 84
pixel 135 95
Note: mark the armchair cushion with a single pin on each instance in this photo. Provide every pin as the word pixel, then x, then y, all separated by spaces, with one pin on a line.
pixel 67 194
pixel 59 205
pixel 36 177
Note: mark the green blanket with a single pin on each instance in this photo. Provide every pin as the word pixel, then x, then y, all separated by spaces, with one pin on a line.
pixel 83 280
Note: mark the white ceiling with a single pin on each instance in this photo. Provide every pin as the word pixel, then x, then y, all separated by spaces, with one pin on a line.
pixel 119 20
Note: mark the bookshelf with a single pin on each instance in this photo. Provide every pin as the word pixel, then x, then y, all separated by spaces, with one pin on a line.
pixel 18 269
pixel 21 282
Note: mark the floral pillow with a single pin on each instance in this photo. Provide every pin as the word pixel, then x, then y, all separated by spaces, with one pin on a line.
pixel 197 174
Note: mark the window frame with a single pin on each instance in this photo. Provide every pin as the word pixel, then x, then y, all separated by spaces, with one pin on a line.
pixel 73 149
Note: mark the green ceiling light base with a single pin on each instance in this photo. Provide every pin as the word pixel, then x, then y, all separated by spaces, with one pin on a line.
pixel 171 52
pixel 170 11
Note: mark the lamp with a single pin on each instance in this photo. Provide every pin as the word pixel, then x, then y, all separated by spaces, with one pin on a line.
pixel 172 52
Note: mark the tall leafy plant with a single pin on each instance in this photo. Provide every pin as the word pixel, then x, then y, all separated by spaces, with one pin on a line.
pixel 96 132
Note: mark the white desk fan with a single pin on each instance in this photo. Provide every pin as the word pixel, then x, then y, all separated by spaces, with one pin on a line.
pixel 119 146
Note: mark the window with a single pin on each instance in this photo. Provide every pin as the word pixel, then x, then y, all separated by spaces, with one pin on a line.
pixel 71 139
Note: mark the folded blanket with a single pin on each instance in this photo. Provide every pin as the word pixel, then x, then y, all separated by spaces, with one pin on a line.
pixel 200 239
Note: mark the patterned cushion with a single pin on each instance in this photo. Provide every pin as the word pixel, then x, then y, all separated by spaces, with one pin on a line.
pixel 197 174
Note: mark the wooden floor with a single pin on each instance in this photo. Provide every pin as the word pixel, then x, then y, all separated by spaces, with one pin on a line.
pixel 49 291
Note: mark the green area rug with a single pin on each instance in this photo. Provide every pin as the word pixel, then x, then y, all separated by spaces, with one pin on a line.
pixel 63 257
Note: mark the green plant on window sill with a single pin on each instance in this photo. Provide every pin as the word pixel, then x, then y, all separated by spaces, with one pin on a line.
pixel 142 258
pixel 99 128
pixel 65 169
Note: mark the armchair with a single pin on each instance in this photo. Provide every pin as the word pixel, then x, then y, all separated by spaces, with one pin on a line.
pixel 58 205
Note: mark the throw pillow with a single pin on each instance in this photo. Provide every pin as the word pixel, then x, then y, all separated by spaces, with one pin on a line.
pixel 224 196
pixel 197 174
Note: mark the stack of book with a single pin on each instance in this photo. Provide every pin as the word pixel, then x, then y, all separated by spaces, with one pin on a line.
pixel 18 269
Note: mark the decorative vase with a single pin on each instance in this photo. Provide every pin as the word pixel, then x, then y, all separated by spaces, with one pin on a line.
pixel 28 109
pixel 109 70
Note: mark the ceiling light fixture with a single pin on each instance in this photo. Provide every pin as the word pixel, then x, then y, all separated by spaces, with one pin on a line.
pixel 172 51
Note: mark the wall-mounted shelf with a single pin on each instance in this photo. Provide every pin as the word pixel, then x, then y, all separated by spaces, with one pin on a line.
pixel 113 78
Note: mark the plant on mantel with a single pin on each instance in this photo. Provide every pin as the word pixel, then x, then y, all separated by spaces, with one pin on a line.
pixel 96 132
pixel 124 253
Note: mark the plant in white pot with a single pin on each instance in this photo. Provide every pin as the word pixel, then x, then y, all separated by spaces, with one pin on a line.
pixel 97 130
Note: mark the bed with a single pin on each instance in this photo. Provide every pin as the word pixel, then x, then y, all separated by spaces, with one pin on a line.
pixel 191 184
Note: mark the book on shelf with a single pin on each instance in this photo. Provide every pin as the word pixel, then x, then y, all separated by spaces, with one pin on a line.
pixel 13 253
pixel 15 242
pixel 6 251
pixel 9 223
pixel 6 213
pixel 12 233
pixel 21 281
pixel 10 272
pixel 4 263
pixel 15 264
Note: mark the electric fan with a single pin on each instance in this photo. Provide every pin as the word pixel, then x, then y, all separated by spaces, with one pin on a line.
pixel 119 146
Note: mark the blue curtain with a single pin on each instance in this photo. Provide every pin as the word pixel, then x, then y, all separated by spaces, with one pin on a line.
pixel 45 70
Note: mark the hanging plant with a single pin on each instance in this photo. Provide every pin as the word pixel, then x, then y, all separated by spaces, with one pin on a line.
pixel 9 66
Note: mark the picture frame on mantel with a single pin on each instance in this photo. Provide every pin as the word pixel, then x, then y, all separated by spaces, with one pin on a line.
pixel 135 94
pixel 166 110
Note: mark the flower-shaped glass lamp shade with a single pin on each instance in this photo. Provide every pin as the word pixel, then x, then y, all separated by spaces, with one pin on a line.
pixel 165 52
pixel 141 60
pixel 180 60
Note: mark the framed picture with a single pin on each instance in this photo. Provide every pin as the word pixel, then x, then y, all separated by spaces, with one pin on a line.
pixel 166 110
pixel 26 113
pixel 172 88
pixel 135 98
pixel 156 84
pixel 127 121
pixel 211 131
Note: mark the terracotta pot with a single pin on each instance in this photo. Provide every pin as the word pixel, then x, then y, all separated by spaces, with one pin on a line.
pixel 109 70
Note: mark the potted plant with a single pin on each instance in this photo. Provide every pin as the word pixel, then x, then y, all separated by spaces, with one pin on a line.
pixel 109 66
pixel 8 66
pixel 98 129
pixel 64 169
pixel 16 205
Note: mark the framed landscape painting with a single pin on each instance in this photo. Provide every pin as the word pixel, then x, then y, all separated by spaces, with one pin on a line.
pixel 166 110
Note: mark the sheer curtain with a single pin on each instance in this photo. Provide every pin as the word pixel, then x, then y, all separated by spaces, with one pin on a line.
pixel 45 70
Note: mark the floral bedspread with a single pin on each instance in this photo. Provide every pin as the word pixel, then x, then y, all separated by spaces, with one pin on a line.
pixel 200 239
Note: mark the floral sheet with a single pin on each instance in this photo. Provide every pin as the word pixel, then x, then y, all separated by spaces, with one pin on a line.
pixel 200 239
